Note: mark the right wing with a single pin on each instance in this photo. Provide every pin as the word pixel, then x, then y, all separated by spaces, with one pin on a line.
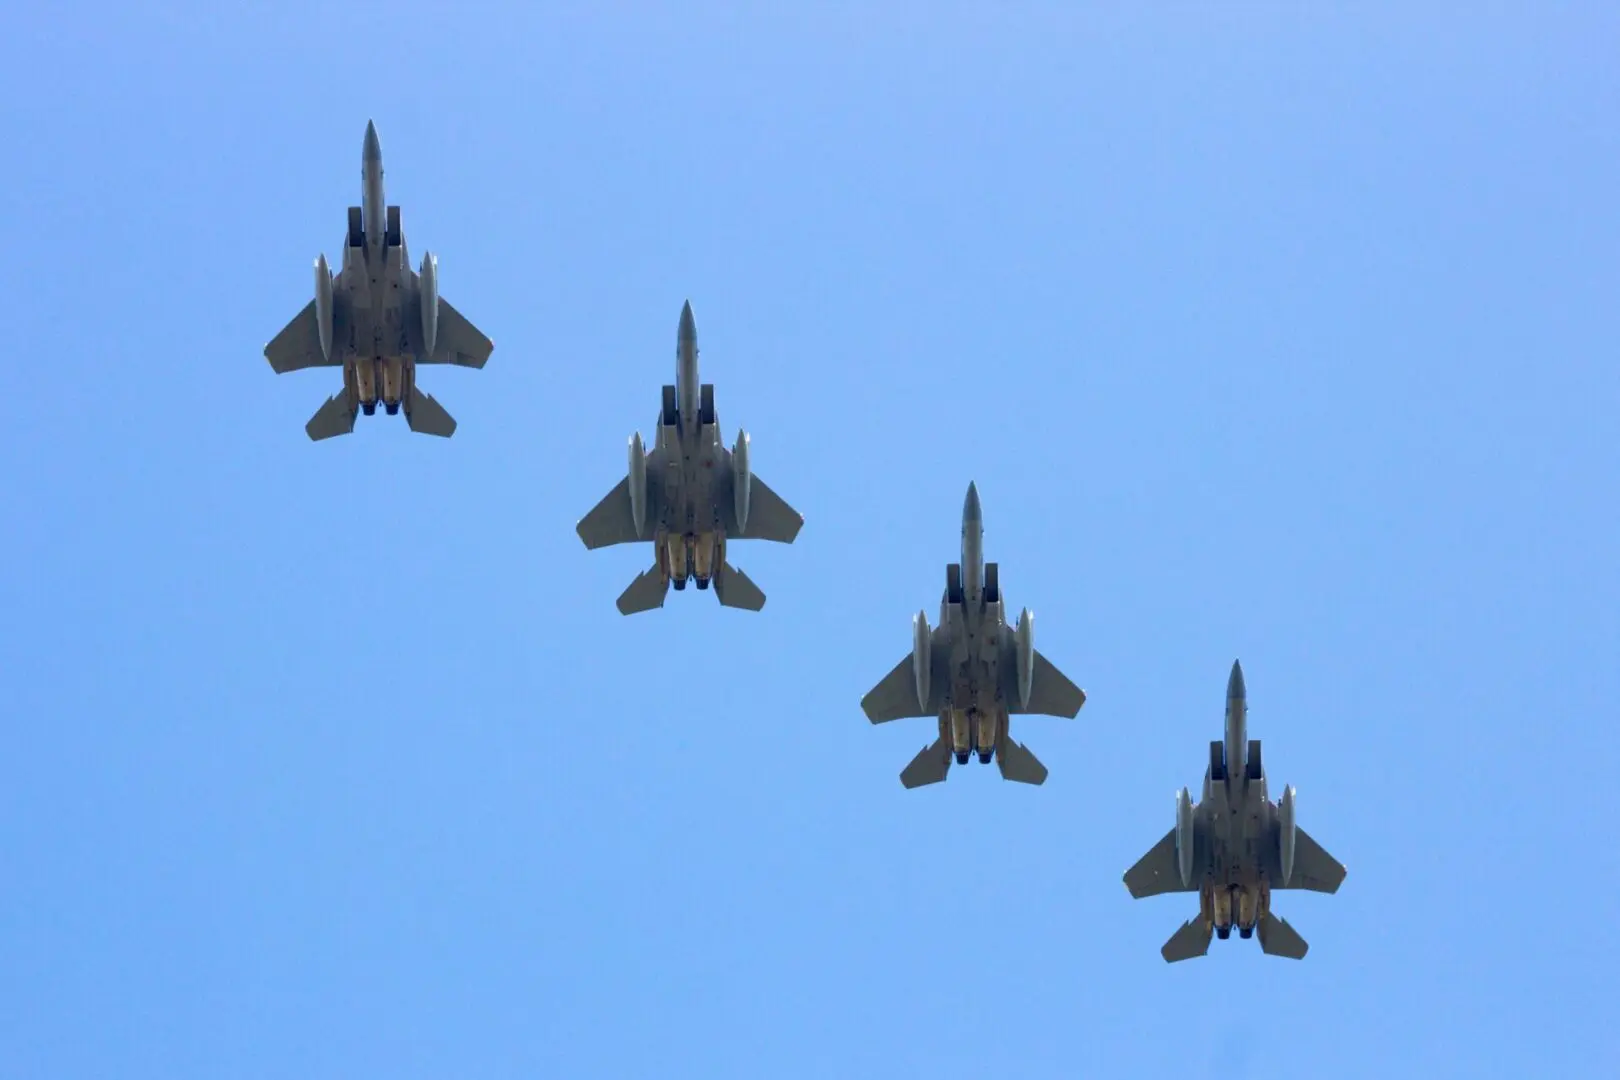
pixel 458 341
pixel 895 697
pixel 1314 868
pixel 610 521
pixel 298 346
pixel 769 515
pixel 1050 691
pixel 1156 872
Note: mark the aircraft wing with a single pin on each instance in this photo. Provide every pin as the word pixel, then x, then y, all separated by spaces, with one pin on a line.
pixel 1314 868
pixel 1156 872
pixel 298 346
pixel 610 521
pixel 769 516
pixel 1050 691
pixel 459 342
pixel 895 697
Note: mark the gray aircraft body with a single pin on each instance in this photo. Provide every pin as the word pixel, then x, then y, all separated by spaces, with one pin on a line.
pixel 689 496
pixel 1233 848
pixel 377 319
pixel 973 672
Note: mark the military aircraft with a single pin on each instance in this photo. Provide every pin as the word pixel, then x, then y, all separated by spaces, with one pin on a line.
pixel 973 672
pixel 689 495
pixel 1233 848
pixel 377 320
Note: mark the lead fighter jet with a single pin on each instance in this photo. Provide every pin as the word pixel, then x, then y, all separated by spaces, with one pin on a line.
pixel 1233 848
pixel 377 319
pixel 973 673
pixel 689 495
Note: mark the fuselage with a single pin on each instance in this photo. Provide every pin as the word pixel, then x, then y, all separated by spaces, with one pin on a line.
pixel 378 288
pixel 975 715
pixel 689 538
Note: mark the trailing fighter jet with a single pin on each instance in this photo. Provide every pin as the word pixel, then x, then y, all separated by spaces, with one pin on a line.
pixel 1233 848
pixel 689 495
pixel 377 320
pixel 973 672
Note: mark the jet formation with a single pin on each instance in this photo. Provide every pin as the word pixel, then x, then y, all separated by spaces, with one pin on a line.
pixel 1234 847
pixel 973 672
pixel 377 319
pixel 689 496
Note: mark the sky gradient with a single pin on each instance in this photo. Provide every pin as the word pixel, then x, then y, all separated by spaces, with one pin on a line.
pixel 1265 335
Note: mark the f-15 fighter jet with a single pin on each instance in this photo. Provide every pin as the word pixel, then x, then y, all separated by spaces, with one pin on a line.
pixel 377 320
pixel 973 672
pixel 689 495
pixel 1233 848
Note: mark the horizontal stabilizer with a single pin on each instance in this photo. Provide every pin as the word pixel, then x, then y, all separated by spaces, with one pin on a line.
pixel 1018 764
pixel 929 766
pixel 427 417
pixel 733 588
pixel 1277 938
pixel 1191 941
pixel 333 418
pixel 644 594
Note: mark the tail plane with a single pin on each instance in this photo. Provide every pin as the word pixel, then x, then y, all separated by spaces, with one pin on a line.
pixel 644 594
pixel 1018 764
pixel 930 765
pixel 331 419
pixel 1277 938
pixel 735 589
pixel 427 417
pixel 1189 942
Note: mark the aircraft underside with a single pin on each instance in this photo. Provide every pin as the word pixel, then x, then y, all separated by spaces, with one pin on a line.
pixel 685 556
pixel 1224 906
pixel 971 731
pixel 379 379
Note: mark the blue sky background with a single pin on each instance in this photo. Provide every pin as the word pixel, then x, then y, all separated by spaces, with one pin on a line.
pixel 1288 337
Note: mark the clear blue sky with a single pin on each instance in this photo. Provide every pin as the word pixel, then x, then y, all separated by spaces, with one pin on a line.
pixel 1266 336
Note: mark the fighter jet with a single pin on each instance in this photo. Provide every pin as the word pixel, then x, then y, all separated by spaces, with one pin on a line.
pixel 1233 848
pixel 689 495
pixel 973 673
pixel 377 319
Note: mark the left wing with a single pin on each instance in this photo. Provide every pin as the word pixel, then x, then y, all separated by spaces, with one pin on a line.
pixel 895 696
pixel 1156 872
pixel 1314 868
pixel 769 517
pixel 458 342
pixel 610 521
pixel 298 346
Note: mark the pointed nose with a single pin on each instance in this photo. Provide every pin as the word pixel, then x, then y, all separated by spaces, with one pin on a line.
pixel 970 508
pixel 1235 690
pixel 688 331
pixel 372 154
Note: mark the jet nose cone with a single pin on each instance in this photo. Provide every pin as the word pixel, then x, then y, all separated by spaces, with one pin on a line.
pixel 1235 689
pixel 970 508
pixel 688 331
pixel 373 149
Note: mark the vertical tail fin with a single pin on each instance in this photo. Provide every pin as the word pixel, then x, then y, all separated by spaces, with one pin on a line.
pixel 427 417
pixel 1277 938
pixel 1018 764
pixel 733 588
pixel 1191 941
pixel 929 766
pixel 332 418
